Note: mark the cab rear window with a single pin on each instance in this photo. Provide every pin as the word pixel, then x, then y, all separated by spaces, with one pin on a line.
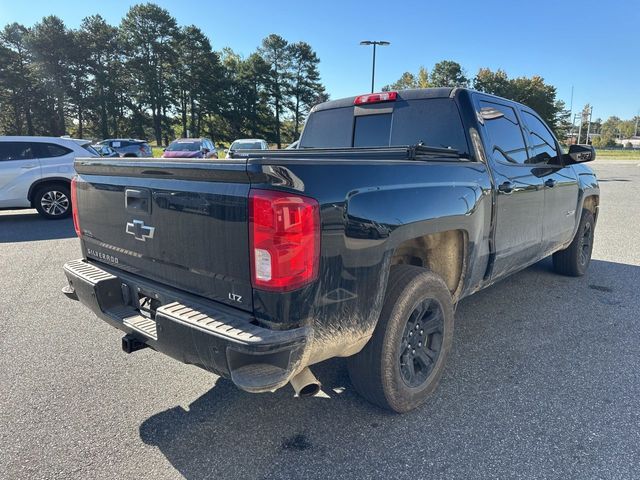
pixel 435 122
pixel 372 130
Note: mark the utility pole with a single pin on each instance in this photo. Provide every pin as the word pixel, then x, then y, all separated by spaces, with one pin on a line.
pixel 571 104
pixel 589 124
pixel 382 43
pixel 573 126
pixel 580 129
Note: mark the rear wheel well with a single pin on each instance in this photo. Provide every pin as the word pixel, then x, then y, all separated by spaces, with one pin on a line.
pixel 443 253
pixel 47 182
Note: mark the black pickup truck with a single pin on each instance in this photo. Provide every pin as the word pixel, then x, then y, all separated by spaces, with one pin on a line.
pixel 357 244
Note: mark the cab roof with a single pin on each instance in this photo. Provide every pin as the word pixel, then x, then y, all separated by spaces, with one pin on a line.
pixel 411 94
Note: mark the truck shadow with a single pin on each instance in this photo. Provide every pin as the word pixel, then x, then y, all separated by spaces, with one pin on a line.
pixel 28 226
pixel 521 355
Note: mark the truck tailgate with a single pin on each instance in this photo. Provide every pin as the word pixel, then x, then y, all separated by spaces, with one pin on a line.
pixel 182 223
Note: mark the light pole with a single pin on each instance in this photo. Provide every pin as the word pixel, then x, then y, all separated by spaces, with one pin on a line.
pixel 382 43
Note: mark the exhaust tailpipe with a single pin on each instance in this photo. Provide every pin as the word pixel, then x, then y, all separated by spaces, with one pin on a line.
pixel 305 383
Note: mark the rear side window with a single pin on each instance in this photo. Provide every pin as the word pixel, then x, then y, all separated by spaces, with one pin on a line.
pixel 50 150
pixel 328 129
pixel 543 145
pixel 435 122
pixel 16 151
pixel 504 132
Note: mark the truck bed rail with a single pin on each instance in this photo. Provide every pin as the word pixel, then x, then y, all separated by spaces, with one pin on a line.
pixel 402 152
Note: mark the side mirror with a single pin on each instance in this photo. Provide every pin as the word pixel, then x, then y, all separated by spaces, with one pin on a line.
pixel 204 150
pixel 164 149
pixel 226 150
pixel 579 154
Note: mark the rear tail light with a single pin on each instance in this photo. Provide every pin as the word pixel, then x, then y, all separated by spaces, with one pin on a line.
pixel 376 98
pixel 74 205
pixel 284 231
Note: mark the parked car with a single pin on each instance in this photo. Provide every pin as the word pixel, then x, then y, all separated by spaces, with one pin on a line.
pixel 246 144
pixel 35 172
pixel 129 147
pixel 105 150
pixel 191 148
pixel 291 257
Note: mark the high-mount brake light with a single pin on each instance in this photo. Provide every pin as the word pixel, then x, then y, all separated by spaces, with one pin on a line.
pixel 284 233
pixel 376 98
pixel 74 205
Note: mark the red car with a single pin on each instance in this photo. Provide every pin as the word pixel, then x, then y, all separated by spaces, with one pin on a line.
pixel 191 148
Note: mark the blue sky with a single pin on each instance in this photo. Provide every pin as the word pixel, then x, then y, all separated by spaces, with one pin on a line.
pixel 590 45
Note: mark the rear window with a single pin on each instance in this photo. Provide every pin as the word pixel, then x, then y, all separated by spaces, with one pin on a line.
pixel 184 147
pixel 435 122
pixel 246 145
pixel 89 148
pixel 50 150
pixel 372 130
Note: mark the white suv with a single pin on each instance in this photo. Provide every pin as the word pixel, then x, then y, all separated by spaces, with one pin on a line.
pixel 35 172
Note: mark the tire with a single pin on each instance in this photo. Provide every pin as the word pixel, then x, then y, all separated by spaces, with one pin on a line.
pixel 574 260
pixel 381 371
pixel 53 201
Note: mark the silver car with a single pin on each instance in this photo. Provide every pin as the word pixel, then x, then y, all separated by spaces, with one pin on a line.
pixel 247 144
pixel 128 147
pixel 36 172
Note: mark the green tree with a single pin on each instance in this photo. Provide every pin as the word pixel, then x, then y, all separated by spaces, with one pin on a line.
pixel 408 80
pixel 198 78
pixel 604 141
pixel 275 51
pixel 17 82
pixel 244 111
pixel 448 73
pixel 51 45
pixel 78 70
pixel 104 65
pixel 148 34
pixel 253 75
pixel 496 83
pixel 533 92
pixel 306 88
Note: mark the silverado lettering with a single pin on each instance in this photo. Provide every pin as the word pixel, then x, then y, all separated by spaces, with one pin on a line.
pixel 102 256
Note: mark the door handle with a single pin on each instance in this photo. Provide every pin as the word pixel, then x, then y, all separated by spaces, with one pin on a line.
pixel 506 187
pixel 550 183
pixel 31 165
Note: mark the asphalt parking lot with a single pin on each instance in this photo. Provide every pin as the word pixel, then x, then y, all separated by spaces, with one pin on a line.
pixel 543 382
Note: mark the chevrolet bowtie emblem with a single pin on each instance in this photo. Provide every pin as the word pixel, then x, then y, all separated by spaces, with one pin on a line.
pixel 139 230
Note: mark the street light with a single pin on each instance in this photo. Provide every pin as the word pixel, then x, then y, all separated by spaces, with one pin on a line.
pixel 382 43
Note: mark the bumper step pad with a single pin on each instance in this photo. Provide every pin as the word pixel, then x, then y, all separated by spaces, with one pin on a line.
pixel 216 337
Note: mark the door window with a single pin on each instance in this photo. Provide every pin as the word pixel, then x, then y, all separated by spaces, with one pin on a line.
pixel 16 151
pixel 505 133
pixel 543 146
